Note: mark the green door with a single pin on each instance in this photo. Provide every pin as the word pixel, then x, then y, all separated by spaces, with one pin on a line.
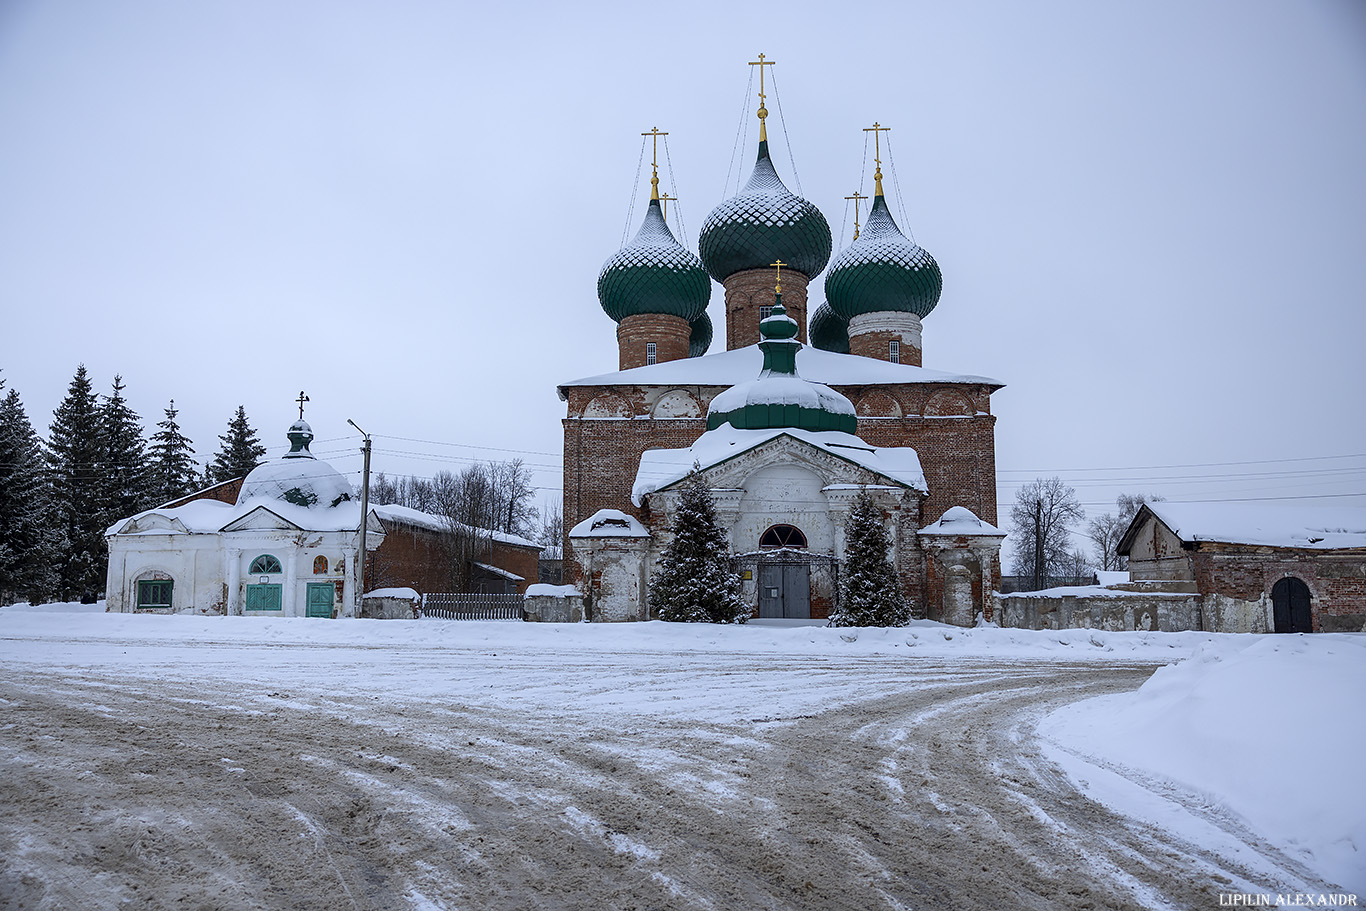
pixel 263 597
pixel 320 596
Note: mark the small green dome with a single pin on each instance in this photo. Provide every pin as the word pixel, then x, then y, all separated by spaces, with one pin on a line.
pixel 653 274
pixel 700 339
pixel 883 270
pixel 828 332
pixel 765 222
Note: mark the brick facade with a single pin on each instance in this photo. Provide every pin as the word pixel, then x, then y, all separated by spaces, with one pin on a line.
pixel 751 289
pixel 877 345
pixel 1336 579
pixel 669 334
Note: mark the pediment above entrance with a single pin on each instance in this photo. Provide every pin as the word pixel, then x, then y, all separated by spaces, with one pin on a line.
pixel 261 519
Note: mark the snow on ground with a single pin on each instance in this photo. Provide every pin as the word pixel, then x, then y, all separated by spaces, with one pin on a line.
pixel 1264 728
pixel 1271 728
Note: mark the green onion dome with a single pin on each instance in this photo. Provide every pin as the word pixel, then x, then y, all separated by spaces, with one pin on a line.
pixel 828 332
pixel 297 477
pixel 653 274
pixel 883 270
pixel 700 339
pixel 779 397
pixel 765 222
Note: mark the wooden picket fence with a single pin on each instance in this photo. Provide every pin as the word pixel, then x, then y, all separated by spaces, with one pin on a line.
pixel 457 606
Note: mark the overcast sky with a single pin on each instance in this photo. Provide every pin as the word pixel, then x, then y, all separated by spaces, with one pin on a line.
pixel 1151 217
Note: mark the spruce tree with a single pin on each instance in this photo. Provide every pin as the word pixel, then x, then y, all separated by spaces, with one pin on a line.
pixel 693 581
pixel 30 541
pixel 173 470
pixel 123 458
pixel 74 464
pixel 870 594
pixel 240 452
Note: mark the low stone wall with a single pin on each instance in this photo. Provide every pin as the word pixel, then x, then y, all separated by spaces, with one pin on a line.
pixel 391 604
pixel 553 604
pixel 1092 607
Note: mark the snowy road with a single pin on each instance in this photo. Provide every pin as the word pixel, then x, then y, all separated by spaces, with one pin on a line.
pixel 185 774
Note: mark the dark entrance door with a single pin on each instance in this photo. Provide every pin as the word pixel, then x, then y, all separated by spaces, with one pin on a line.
pixel 1290 606
pixel 785 591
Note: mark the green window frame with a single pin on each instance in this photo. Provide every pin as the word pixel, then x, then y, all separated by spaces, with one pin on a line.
pixel 264 565
pixel 155 594
pixel 264 597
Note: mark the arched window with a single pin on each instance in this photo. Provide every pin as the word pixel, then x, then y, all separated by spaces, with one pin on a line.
pixel 320 565
pixel 264 565
pixel 783 536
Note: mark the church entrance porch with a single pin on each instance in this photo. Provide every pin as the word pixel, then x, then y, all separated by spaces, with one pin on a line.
pixel 788 584
pixel 785 591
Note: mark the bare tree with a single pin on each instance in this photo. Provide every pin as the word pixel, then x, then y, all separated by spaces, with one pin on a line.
pixel 1042 520
pixel 1107 530
pixel 552 524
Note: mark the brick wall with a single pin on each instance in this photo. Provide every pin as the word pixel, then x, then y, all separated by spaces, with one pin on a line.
pixel 1336 579
pixel 411 556
pixel 515 558
pixel 670 335
pixel 877 345
pixel 751 289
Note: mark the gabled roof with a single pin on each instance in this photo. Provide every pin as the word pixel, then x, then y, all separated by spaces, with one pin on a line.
pixel 728 368
pixel 1270 525
pixel 661 468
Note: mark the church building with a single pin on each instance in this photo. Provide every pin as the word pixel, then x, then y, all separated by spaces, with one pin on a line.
pixel 785 432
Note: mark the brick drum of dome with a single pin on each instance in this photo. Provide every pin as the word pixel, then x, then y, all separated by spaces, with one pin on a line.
pixel 751 289
pixel 670 335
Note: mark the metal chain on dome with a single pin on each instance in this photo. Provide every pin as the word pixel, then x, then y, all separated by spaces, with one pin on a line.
pixel 678 207
pixel 791 159
pixel 635 188
pixel 741 130
pixel 843 220
pixel 896 182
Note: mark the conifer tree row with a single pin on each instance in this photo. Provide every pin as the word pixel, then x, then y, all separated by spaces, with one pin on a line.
pixel 240 453
pixel 694 582
pixel 173 470
pixel 31 541
pixel 870 594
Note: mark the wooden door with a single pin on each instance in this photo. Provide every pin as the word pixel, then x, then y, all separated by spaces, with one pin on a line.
pixel 320 595
pixel 1290 606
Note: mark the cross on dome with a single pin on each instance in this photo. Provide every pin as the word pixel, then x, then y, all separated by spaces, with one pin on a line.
pixel 301 399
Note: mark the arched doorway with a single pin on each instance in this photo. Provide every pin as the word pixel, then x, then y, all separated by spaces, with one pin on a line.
pixel 1290 606
pixel 784 580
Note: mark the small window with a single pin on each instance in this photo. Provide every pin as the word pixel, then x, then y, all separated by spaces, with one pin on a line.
pixel 649 352
pixel 765 312
pixel 783 536
pixel 265 564
pixel 154 594
pixel 894 351
pixel 320 565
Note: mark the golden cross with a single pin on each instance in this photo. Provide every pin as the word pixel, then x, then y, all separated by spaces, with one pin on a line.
pixel 664 202
pixel 877 129
pixel 301 399
pixel 654 161
pixel 763 111
pixel 778 283
pixel 856 197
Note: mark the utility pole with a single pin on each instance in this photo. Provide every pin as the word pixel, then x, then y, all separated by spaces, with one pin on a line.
pixel 364 511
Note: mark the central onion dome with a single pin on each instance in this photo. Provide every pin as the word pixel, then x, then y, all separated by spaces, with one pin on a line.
pixel 765 222
pixel 883 270
pixel 653 274
pixel 297 477
pixel 779 397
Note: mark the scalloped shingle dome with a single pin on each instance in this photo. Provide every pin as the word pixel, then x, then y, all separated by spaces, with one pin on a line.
pixel 653 274
pixel 828 331
pixel 297 477
pixel 699 339
pixel 763 223
pixel 883 270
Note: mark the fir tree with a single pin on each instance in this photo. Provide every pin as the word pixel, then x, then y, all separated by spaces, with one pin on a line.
pixel 30 540
pixel 869 592
pixel 74 463
pixel 240 452
pixel 694 582
pixel 126 482
pixel 173 469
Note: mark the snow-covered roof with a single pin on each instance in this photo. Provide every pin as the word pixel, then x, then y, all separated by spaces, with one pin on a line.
pixel 727 368
pixel 211 516
pixel 542 589
pixel 1273 525
pixel 959 520
pixel 781 390
pixel 660 468
pixel 406 594
pixel 404 514
pixel 490 568
pixel 609 523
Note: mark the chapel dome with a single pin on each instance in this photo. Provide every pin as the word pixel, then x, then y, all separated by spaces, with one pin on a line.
pixel 883 270
pixel 653 274
pixel 297 477
pixel 828 332
pixel 779 397
pixel 763 223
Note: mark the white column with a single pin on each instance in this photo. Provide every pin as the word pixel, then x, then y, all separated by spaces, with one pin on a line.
pixel 291 597
pixel 233 573
pixel 351 594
